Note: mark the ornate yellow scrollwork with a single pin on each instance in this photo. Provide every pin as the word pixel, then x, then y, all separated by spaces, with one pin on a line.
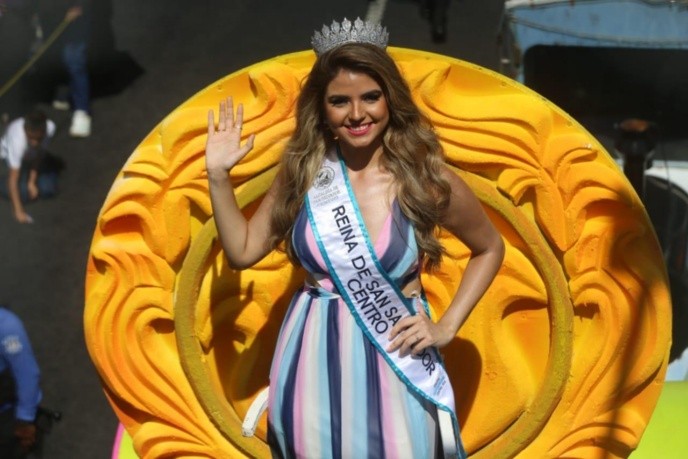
pixel 564 357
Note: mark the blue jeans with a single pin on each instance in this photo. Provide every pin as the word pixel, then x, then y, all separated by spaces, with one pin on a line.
pixel 46 183
pixel 74 59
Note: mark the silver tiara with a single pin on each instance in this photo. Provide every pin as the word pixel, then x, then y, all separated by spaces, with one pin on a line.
pixel 337 35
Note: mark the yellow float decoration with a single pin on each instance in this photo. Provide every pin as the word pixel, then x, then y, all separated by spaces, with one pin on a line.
pixel 564 356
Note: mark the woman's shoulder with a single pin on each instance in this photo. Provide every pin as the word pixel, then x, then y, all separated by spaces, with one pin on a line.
pixel 456 183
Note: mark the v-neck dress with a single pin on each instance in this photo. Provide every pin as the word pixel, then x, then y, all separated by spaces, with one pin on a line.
pixel 332 395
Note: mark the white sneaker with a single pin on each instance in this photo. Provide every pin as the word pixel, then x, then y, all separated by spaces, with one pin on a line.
pixel 61 98
pixel 60 105
pixel 81 124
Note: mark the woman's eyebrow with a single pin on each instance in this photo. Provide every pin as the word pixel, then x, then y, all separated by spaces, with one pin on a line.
pixel 337 97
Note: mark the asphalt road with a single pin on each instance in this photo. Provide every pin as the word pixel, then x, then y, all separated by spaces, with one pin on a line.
pixel 166 52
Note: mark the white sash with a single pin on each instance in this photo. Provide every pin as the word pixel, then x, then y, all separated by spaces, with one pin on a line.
pixel 373 298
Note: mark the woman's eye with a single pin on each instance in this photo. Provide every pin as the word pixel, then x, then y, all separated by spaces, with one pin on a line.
pixel 372 96
pixel 337 101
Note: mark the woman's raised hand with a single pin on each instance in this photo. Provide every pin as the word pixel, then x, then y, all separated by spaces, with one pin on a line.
pixel 223 149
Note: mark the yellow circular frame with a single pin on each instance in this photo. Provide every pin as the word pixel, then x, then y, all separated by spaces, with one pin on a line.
pixel 564 356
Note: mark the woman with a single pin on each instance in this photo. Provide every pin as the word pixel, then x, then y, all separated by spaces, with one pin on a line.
pixel 360 195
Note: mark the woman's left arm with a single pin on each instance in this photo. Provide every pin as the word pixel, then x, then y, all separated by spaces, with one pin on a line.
pixel 465 219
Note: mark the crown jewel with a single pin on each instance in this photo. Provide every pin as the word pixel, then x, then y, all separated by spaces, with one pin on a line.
pixel 358 32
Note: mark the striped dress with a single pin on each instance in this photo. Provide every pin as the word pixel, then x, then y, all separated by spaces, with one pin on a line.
pixel 332 395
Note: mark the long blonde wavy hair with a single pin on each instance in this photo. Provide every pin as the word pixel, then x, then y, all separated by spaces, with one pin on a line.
pixel 411 150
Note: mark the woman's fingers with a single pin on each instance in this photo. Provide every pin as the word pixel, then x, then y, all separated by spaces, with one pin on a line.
pixel 239 116
pixel 224 147
pixel 412 334
pixel 400 326
pixel 409 341
pixel 223 116
pixel 401 334
pixel 249 142
pixel 227 119
pixel 415 343
pixel 229 112
pixel 211 123
pixel 247 147
pixel 421 345
pixel 404 340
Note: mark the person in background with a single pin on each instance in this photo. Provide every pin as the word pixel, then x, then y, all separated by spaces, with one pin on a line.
pixel 436 12
pixel 31 174
pixel 20 392
pixel 74 48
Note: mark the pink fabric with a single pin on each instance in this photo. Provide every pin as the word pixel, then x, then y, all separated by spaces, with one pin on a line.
pixel 118 441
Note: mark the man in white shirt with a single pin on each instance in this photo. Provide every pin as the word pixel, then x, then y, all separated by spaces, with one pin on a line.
pixel 23 149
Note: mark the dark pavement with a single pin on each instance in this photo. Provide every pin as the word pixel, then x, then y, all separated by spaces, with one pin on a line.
pixel 181 47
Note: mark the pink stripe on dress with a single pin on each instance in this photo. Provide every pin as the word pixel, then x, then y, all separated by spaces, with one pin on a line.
pixel 325 282
pixel 118 441
pixel 384 238
pixel 287 332
pixel 302 393
pixel 388 417
pixel 345 345
pixel 298 406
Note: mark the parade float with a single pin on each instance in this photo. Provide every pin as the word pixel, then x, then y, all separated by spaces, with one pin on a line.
pixel 565 356
pixel 639 50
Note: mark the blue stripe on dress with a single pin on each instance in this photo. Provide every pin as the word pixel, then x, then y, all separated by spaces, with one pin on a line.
pixel 417 409
pixel 376 449
pixel 359 425
pixel 334 371
pixel 402 251
pixel 289 382
pixel 274 442
pixel 275 419
pixel 321 396
pixel 306 257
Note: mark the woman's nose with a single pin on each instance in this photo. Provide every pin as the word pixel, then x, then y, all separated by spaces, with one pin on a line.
pixel 357 112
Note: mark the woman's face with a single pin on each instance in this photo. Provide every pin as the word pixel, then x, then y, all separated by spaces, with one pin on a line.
pixel 356 110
